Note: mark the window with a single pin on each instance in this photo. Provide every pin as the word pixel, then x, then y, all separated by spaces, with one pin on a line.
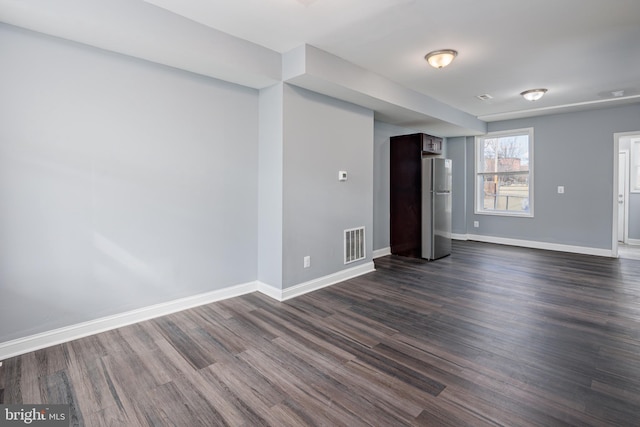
pixel 504 173
pixel 635 166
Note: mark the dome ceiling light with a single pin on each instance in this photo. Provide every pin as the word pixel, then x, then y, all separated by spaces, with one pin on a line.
pixel 440 58
pixel 533 94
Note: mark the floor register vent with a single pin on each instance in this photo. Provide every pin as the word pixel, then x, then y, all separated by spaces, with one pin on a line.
pixel 354 249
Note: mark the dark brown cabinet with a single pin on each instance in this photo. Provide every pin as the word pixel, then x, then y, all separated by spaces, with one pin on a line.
pixel 430 144
pixel 406 153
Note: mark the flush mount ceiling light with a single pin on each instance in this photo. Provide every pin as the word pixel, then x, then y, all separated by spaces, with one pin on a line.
pixel 440 58
pixel 533 94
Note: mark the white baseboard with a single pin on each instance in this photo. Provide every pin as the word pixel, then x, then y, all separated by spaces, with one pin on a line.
pixel 382 252
pixel 270 291
pixel 69 333
pixel 635 242
pixel 456 236
pixel 315 284
pixel 585 250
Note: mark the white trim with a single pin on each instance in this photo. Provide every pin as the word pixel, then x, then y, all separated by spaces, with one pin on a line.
pixel 315 284
pixel 270 291
pixel 321 282
pixel 69 333
pixel 476 189
pixel 585 250
pixel 633 242
pixel 558 109
pixel 456 236
pixel 633 144
pixel 627 155
pixel 614 215
pixel 381 252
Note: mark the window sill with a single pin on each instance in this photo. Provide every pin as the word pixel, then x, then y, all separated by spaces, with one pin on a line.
pixel 505 214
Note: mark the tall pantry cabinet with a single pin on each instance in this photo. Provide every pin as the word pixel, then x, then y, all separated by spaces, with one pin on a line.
pixel 405 170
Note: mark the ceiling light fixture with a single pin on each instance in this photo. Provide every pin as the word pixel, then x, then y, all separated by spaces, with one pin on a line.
pixel 440 58
pixel 533 94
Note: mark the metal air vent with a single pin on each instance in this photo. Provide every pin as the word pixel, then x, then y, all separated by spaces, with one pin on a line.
pixel 354 248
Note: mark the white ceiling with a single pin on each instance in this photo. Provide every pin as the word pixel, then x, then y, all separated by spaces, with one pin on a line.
pixel 580 50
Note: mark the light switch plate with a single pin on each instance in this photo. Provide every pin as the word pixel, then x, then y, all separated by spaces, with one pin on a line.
pixel 342 176
pixel 560 189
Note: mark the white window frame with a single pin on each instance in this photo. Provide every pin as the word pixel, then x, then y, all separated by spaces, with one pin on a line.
pixel 479 147
pixel 634 182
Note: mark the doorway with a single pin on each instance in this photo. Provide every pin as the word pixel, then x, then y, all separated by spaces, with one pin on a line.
pixel 622 165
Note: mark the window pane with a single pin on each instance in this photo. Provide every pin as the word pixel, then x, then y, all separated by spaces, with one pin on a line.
pixel 504 173
pixel 505 154
pixel 505 192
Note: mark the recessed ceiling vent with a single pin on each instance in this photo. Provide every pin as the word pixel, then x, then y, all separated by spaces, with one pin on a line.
pixel 484 97
pixel 354 245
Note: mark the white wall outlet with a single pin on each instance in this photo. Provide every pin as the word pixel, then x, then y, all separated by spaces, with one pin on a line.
pixel 476 224
pixel 560 189
pixel 342 175
pixel 307 261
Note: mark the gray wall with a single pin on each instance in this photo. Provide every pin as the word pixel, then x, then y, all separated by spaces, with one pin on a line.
pixel 270 186
pixel 634 216
pixel 457 152
pixel 321 137
pixel 122 183
pixel 574 150
pixel 125 184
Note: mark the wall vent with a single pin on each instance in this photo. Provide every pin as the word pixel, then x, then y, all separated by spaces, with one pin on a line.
pixel 354 247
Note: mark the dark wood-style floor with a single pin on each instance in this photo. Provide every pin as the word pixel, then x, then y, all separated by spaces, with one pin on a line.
pixel 492 335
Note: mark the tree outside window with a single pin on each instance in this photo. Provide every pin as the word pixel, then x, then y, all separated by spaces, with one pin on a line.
pixel 504 173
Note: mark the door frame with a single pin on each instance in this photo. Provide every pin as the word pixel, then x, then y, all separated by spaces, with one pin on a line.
pixel 614 217
pixel 627 163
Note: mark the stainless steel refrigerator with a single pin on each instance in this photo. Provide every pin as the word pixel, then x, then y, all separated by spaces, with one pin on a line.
pixel 436 207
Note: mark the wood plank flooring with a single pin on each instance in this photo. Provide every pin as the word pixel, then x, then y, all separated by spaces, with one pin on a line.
pixel 490 336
